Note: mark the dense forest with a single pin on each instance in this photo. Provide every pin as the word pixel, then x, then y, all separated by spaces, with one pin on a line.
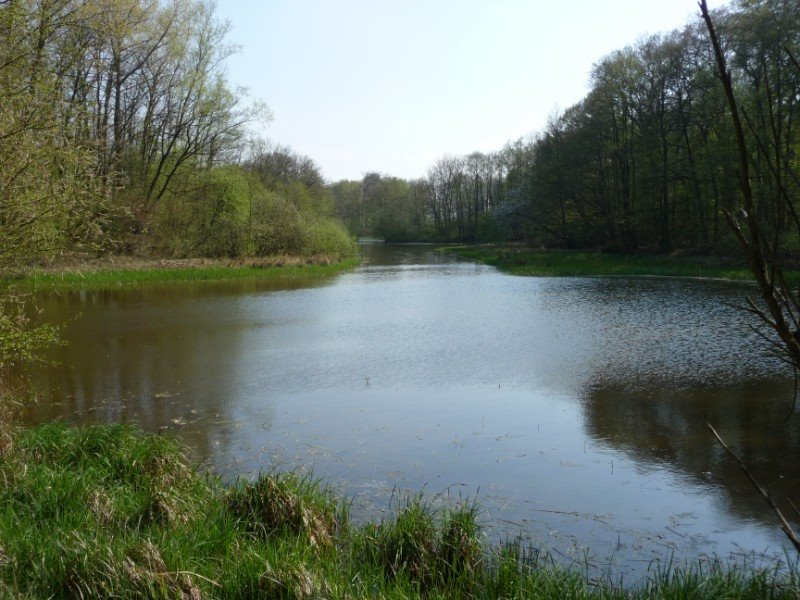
pixel 646 161
pixel 120 133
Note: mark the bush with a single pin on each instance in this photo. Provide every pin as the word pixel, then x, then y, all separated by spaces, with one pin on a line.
pixel 19 341
pixel 280 227
pixel 329 237
pixel 228 212
pixel 207 218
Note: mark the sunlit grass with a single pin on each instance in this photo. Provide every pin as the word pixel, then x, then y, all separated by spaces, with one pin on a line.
pixel 114 278
pixel 107 511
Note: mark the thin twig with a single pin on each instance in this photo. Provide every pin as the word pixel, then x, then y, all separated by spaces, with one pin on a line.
pixel 787 528
pixel 794 396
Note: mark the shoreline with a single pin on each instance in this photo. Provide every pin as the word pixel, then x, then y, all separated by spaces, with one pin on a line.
pixel 124 271
pixel 108 510
pixel 582 263
pixel 112 511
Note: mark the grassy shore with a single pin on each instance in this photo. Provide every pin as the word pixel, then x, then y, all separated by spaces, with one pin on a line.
pixel 107 511
pixel 120 272
pixel 568 263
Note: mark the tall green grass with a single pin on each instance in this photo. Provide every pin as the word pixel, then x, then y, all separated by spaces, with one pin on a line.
pixel 113 278
pixel 567 263
pixel 106 511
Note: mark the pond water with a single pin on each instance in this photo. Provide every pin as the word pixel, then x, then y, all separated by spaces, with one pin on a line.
pixel 573 410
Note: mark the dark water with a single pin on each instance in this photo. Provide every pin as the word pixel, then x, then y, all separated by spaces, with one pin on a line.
pixel 572 408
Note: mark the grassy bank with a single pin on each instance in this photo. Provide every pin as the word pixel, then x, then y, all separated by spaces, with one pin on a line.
pixel 119 272
pixel 106 511
pixel 566 263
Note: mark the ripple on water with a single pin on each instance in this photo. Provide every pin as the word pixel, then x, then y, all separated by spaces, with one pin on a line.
pixel 572 408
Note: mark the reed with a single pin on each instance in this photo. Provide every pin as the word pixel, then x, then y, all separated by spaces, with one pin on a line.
pixel 107 511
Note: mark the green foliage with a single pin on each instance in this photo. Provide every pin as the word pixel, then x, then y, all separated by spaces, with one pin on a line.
pixel 647 161
pixel 275 268
pixel 119 131
pixel 19 341
pixel 207 219
pixel 347 201
pixel 231 213
pixel 279 226
pixel 49 198
pixel 328 237
pixel 290 209
pixel 569 263
pixel 384 207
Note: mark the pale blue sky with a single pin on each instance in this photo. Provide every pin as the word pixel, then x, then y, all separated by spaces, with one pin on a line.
pixel 392 86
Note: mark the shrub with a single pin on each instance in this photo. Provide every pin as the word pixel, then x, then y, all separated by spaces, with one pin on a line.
pixel 286 504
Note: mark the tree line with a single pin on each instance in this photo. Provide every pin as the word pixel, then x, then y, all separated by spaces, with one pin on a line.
pixel 120 132
pixel 647 160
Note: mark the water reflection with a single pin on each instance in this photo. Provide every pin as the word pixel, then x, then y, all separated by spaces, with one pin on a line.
pixel 158 357
pixel 664 427
pixel 573 408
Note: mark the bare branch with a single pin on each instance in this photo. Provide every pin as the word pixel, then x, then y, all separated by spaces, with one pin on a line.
pixel 785 526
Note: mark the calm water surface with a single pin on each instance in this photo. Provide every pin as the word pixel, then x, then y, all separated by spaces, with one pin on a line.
pixel 573 409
